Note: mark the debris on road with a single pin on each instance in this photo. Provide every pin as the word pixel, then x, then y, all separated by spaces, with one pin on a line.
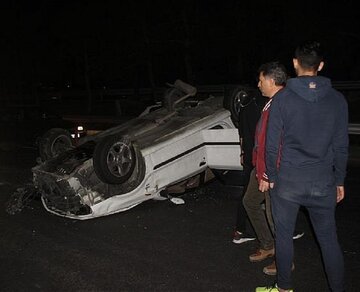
pixel 20 199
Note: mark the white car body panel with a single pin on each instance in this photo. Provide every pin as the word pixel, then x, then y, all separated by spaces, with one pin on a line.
pixel 214 156
pixel 222 149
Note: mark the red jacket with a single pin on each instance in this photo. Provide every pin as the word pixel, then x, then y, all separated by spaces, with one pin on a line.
pixel 258 157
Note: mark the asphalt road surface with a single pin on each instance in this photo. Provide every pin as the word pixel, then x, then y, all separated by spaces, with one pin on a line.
pixel 156 246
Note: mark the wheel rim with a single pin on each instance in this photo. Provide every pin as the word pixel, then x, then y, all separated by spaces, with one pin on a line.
pixel 241 100
pixel 238 100
pixel 119 159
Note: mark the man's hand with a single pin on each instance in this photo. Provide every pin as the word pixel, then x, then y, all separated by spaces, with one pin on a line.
pixel 340 193
pixel 263 186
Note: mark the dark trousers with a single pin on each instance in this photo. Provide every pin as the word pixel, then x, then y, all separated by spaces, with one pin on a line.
pixel 261 221
pixel 319 198
pixel 241 215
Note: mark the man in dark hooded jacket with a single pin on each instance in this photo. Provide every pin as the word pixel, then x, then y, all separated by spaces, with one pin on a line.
pixel 306 157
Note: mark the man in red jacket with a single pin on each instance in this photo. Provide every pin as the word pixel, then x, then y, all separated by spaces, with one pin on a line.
pixel 272 78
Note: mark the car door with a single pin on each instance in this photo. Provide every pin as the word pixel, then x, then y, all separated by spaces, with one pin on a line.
pixel 222 148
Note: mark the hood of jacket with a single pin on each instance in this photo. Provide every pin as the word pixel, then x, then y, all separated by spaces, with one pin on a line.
pixel 310 88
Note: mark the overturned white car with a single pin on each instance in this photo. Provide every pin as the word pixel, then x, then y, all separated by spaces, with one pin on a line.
pixel 123 166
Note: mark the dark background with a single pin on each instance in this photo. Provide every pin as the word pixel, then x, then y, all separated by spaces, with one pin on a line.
pixel 114 58
pixel 131 44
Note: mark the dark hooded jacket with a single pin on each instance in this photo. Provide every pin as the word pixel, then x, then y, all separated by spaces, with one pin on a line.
pixel 308 129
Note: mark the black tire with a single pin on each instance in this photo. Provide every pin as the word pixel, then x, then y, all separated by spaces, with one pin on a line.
pixel 114 159
pixel 236 98
pixel 54 142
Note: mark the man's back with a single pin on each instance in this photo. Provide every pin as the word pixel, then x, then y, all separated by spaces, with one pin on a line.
pixel 314 116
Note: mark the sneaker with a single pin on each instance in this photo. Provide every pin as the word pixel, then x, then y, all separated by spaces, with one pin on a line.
pixel 298 234
pixel 273 288
pixel 261 254
pixel 270 270
pixel 240 237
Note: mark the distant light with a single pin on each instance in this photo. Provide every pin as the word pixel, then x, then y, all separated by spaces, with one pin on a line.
pixel 73 136
pixel 80 128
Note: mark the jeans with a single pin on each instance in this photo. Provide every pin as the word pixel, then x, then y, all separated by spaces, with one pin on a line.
pixel 319 198
pixel 261 221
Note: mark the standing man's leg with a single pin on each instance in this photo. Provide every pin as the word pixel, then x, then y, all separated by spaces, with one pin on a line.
pixel 284 214
pixel 269 269
pixel 241 213
pixel 268 212
pixel 252 204
pixel 322 215
pixel 241 233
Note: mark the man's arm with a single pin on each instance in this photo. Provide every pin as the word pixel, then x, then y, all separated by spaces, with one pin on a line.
pixel 273 140
pixel 341 144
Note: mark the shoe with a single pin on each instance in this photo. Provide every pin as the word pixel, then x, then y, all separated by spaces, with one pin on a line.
pixel 240 237
pixel 270 270
pixel 298 234
pixel 273 288
pixel 261 254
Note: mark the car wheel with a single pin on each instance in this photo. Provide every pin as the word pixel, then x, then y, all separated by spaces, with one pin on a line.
pixel 237 98
pixel 114 159
pixel 54 142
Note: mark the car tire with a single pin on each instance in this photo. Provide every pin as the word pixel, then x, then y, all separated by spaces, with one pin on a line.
pixel 235 98
pixel 54 142
pixel 114 159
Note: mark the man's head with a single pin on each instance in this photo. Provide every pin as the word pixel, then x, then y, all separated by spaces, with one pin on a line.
pixel 272 77
pixel 308 59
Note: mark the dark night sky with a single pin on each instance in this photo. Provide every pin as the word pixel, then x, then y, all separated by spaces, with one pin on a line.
pixel 129 43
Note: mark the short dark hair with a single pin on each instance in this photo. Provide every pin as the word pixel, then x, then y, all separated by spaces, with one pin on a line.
pixel 274 70
pixel 309 55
